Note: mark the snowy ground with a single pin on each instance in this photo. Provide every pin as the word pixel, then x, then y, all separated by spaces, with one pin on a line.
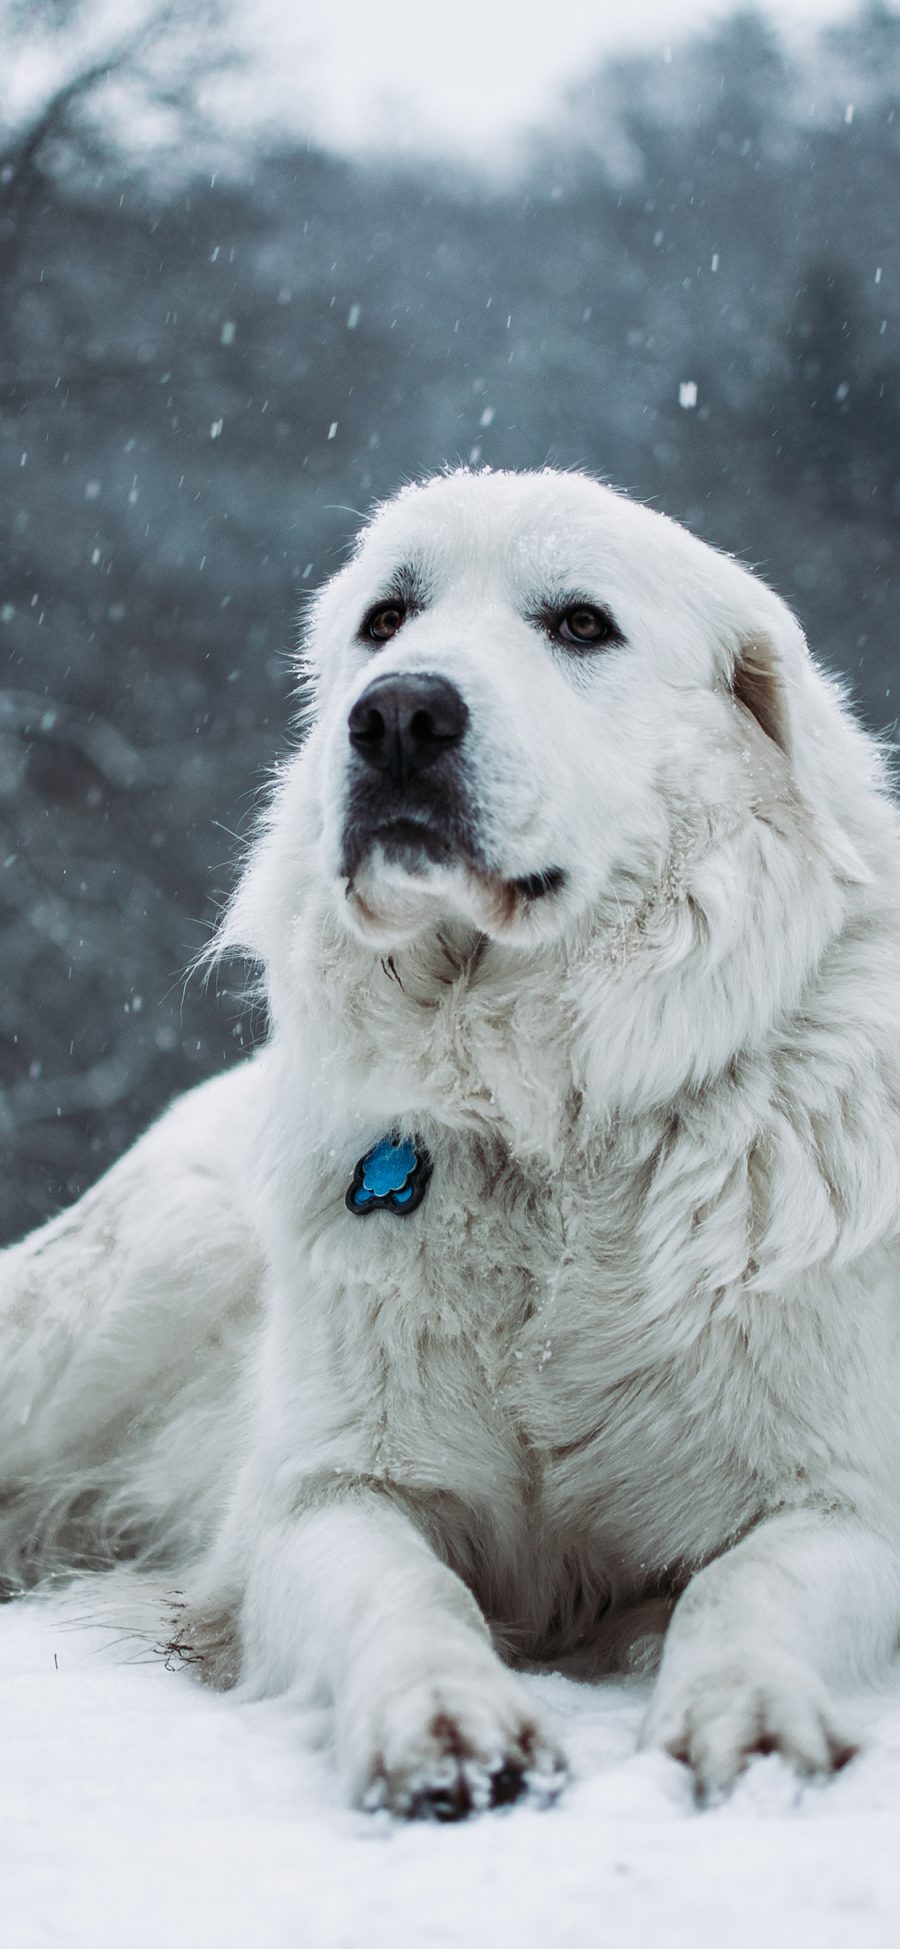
pixel 139 1812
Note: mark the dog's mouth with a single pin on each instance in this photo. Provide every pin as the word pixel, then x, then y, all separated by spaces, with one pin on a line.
pixel 536 886
pixel 414 844
pixel 410 870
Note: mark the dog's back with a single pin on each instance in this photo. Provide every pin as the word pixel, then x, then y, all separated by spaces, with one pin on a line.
pixel 124 1327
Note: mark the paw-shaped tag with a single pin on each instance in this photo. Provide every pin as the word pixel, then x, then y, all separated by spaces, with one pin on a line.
pixel 391 1177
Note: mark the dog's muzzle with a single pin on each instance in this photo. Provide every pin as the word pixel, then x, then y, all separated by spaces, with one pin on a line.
pixel 406 792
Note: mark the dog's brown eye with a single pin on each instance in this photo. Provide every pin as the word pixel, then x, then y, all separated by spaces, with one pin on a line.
pixel 584 624
pixel 383 623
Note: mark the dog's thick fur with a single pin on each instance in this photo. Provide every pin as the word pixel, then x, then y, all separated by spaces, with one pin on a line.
pixel 637 991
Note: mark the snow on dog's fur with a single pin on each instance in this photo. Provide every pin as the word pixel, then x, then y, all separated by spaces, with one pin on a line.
pixel 585 880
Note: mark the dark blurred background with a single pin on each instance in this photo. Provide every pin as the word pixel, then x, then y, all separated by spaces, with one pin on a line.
pixel 212 361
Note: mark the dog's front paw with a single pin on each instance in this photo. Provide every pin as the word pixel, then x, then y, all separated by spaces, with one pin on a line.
pixel 448 1747
pixel 717 1721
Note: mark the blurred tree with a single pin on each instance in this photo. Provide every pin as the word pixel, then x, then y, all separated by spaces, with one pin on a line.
pixel 87 921
pixel 818 433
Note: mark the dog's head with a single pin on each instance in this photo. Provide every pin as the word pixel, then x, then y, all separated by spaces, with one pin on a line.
pixel 547 717
pixel 520 678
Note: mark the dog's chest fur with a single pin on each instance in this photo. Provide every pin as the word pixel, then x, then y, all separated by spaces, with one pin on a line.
pixel 564 1358
pixel 507 1361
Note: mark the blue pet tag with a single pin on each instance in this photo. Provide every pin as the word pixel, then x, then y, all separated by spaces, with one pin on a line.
pixel 393 1176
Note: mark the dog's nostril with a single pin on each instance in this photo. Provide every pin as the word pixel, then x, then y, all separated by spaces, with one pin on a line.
pixel 403 723
pixel 369 729
pixel 423 727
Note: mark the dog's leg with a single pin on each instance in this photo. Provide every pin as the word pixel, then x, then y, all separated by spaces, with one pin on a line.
pixel 348 1598
pixel 805 1602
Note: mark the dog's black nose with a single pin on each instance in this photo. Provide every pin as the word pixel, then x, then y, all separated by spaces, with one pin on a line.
pixel 404 722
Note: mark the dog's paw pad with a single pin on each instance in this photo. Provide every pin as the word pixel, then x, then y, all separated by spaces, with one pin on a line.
pixel 457 1764
pixel 718 1729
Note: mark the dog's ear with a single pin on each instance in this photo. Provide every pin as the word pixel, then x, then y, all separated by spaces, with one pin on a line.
pixel 771 675
pixel 757 682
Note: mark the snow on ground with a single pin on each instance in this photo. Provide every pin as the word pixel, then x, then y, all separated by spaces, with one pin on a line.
pixel 139 1812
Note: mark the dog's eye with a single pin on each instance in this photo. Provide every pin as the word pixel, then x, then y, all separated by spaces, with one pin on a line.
pixel 585 625
pixel 383 623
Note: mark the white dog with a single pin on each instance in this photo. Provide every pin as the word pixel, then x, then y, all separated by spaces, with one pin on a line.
pixel 543 1272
